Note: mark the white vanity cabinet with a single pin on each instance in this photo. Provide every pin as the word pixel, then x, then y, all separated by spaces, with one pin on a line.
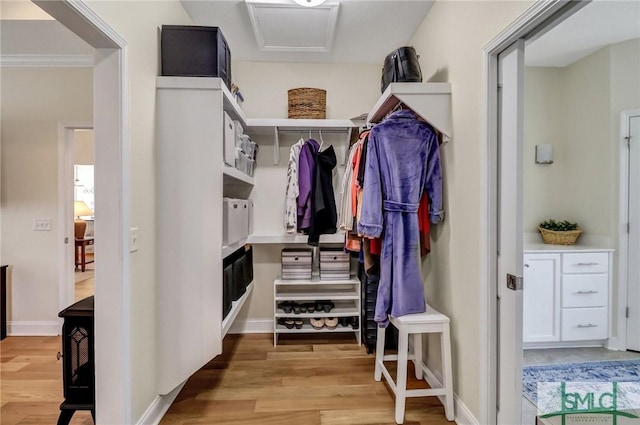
pixel 541 298
pixel 567 293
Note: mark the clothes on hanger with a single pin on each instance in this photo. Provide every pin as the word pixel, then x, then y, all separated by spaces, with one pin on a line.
pixel 403 161
pixel 292 191
pixel 323 202
pixel 306 174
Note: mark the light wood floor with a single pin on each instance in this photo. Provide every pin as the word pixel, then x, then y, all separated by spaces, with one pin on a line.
pixel 31 382
pixel 306 381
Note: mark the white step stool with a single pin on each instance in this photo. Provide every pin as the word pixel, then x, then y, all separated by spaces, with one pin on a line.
pixel 417 324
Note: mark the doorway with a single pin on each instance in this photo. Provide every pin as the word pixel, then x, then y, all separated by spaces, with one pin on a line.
pixel 546 188
pixel 84 198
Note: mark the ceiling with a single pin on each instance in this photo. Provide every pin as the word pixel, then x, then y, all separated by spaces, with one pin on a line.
pixel 363 32
pixel 600 23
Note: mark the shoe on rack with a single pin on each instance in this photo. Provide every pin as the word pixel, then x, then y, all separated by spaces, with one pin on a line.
pixel 324 305
pixel 298 323
pixel 317 323
pixel 344 321
pixel 286 306
pixel 288 323
pixel 354 322
pixel 308 307
pixel 296 308
pixel 331 322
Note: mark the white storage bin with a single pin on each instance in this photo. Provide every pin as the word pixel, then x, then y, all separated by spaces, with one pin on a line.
pixel 250 205
pixel 235 220
pixel 229 137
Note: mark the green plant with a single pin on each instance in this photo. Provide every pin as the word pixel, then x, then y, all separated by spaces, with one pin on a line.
pixel 559 226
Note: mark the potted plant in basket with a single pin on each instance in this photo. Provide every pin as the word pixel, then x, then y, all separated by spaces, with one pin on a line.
pixel 559 232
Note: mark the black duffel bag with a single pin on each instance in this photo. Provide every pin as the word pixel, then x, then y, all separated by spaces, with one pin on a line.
pixel 401 65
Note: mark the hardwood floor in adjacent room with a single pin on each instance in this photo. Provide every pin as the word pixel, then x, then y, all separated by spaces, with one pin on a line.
pixel 31 382
pixel 305 380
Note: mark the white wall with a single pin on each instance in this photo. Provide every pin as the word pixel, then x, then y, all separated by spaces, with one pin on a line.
pixel 351 90
pixel 587 146
pixel 137 22
pixel 83 148
pixel 543 124
pixel 450 42
pixel 577 110
pixel 34 102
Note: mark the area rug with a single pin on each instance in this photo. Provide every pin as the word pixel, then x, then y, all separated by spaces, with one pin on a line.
pixel 608 371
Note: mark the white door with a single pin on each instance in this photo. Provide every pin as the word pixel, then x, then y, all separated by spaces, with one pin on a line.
pixel 633 277
pixel 541 298
pixel 510 213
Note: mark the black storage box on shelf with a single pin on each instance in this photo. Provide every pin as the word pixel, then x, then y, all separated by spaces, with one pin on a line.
pixel 195 51
pixel 227 290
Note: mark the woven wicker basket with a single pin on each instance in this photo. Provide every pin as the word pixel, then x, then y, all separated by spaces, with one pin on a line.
pixel 307 103
pixel 553 237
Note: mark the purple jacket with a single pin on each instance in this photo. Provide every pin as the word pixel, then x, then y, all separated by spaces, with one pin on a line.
pixel 306 172
pixel 403 161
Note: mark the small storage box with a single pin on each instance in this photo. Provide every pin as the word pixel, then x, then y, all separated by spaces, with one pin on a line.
pixel 235 220
pixel 334 264
pixel 195 51
pixel 296 263
pixel 229 140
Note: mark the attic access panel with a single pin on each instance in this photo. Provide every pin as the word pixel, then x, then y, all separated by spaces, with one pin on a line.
pixel 286 27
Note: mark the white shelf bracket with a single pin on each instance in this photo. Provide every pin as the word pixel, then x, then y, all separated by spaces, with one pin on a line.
pixel 346 146
pixel 276 146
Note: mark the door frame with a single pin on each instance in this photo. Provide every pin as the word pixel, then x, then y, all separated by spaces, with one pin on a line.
pixel 535 21
pixel 623 236
pixel 112 181
pixel 66 247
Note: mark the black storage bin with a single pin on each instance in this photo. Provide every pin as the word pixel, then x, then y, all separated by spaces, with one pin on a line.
pixel 238 278
pixel 248 267
pixel 195 51
pixel 227 290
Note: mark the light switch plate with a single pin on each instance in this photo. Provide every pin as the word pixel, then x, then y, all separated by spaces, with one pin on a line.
pixel 133 239
pixel 42 224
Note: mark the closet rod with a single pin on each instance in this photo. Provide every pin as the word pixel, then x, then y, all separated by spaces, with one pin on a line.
pixel 306 130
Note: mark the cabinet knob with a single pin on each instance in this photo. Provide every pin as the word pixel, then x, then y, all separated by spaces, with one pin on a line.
pixel 526 265
pixel 59 355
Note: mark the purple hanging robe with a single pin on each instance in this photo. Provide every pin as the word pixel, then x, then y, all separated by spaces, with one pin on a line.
pixel 403 160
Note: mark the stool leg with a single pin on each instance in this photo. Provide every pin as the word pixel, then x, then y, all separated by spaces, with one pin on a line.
pixel 377 374
pixel 447 374
pixel 417 355
pixel 401 374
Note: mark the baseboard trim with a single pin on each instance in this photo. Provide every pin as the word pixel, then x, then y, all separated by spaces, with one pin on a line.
pixel 463 414
pixel 159 406
pixel 257 326
pixel 33 328
pixel 565 344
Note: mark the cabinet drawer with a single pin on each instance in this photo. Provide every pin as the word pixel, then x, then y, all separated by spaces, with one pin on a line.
pixel 584 324
pixel 588 262
pixel 589 290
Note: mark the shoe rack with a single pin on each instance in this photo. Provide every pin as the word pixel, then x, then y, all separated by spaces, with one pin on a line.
pixel 343 294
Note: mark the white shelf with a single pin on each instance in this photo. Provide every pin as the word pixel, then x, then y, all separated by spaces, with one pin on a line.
pixel 236 306
pixel 284 238
pixel 307 328
pixel 205 83
pixel 273 127
pixel 227 250
pixel 234 176
pixel 335 312
pixel 431 101
pixel 314 282
pixel 330 294
pixel 257 126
